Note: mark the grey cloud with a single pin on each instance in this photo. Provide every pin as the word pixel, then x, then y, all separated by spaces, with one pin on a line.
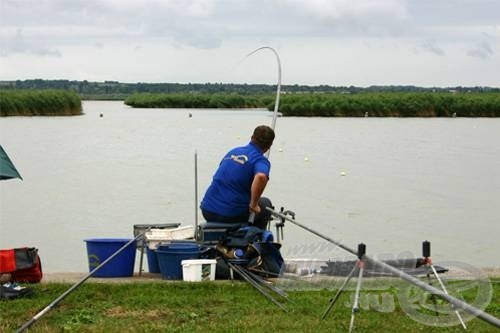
pixel 19 44
pixel 352 18
pixel 482 50
pixel 432 47
pixel 208 23
pixel 199 40
pixel 98 22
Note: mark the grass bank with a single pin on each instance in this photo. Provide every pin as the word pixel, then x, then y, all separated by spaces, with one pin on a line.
pixel 423 104
pixel 39 103
pixel 206 307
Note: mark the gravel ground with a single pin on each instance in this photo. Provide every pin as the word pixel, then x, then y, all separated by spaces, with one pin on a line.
pixel 493 273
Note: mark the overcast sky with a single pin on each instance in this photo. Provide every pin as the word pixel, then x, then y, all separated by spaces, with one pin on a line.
pixel 334 42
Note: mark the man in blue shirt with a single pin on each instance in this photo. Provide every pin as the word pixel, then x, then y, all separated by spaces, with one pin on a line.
pixel 240 180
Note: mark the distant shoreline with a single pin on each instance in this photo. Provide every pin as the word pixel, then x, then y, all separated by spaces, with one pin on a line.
pixel 389 104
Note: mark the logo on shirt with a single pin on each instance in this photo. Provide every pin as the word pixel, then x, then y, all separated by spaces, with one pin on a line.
pixel 241 159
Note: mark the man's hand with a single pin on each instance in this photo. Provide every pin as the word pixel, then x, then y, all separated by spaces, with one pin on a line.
pixel 255 209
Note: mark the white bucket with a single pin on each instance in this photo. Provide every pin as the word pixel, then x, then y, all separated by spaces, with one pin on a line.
pixel 198 269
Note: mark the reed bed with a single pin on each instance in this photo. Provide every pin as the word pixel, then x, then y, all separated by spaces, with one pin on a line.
pixel 337 105
pixel 197 101
pixel 39 103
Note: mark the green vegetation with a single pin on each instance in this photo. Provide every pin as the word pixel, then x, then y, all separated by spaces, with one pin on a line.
pixel 296 100
pixel 338 105
pixel 162 306
pixel 147 100
pixel 39 103
pixel 392 105
pixel 120 90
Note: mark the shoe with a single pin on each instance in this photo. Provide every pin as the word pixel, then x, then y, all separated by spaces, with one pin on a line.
pixel 13 290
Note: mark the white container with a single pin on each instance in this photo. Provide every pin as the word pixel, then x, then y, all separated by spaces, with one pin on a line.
pixel 157 236
pixel 198 269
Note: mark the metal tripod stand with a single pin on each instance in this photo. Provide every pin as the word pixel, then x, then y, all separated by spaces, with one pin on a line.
pixel 426 253
pixel 360 264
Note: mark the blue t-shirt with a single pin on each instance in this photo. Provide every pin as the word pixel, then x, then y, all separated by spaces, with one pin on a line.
pixel 229 193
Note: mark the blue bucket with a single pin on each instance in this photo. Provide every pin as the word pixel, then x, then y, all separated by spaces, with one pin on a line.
pixel 186 246
pixel 152 261
pixel 170 257
pixel 100 249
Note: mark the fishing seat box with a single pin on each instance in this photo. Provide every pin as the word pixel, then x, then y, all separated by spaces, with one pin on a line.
pixel 213 232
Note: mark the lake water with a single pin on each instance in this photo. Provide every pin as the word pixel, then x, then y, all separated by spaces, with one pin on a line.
pixel 388 182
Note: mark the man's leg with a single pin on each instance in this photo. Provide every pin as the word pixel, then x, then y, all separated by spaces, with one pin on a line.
pixel 212 217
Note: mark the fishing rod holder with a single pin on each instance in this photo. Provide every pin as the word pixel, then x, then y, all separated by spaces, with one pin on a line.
pixel 359 266
pixel 426 253
pixel 279 225
pixel 361 251
pixel 426 249
pixel 399 273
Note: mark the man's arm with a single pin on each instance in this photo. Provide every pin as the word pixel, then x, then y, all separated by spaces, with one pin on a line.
pixel 258 185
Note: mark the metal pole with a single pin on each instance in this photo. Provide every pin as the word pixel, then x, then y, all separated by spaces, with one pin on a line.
pixel 255 284
pixel 278 87
pixel 355 306
pixel 196 194
pixel 339 292
pixel 30 322
pixel 456 302
pixel 446 291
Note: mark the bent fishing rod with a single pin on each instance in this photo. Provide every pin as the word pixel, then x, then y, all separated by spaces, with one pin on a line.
pixel 49 307
pixel 430 289
pixel 251 218
pixel 278 85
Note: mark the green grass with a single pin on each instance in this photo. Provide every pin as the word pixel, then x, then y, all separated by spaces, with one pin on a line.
pixel 39 103
pixel 204 307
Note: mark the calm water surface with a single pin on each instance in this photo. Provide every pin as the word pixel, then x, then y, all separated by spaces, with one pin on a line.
pixel 406 180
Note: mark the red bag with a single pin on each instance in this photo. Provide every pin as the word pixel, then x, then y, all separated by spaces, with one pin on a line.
pixel 23 264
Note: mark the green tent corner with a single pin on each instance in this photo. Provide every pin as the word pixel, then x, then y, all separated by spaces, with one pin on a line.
pixel 7 168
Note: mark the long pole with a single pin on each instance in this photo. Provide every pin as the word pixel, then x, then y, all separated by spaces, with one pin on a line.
pixel 430 289
pixel 251 218
pixel 49 307
pixel 278 86
pixel 255 284
pixel 196 194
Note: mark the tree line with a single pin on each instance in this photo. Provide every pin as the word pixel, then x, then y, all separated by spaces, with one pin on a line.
pixel 119 90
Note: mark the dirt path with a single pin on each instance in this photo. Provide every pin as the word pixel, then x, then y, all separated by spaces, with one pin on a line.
pixel 493 273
